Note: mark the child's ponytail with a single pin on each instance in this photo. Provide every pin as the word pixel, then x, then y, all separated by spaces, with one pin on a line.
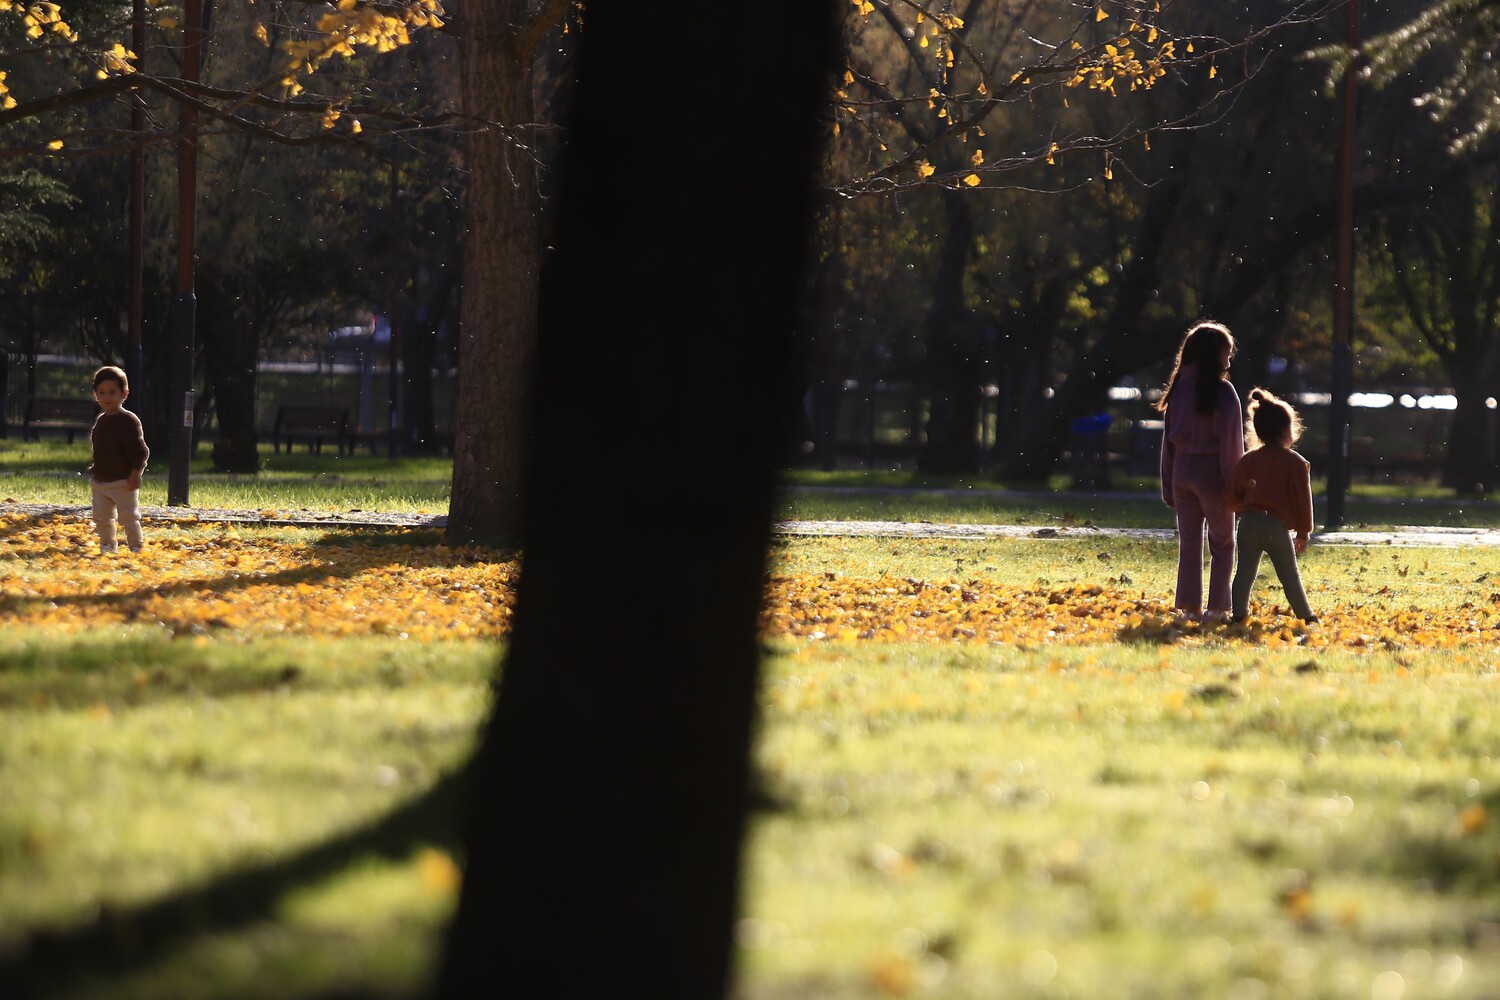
pixel 1270 420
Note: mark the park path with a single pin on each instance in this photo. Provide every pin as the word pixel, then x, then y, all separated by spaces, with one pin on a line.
pixel 358 519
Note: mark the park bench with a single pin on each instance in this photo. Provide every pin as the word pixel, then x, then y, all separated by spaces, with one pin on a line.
pixel 1384 462
pixel 69 416
pixel 311 425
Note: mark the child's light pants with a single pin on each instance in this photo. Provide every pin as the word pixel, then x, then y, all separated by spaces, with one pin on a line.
pixel 1198 499
pixel 112 497
pixel 1260 532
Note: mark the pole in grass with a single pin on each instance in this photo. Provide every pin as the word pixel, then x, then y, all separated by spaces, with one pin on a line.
pixel 184 303
pixel 1343 304
pixel 135 355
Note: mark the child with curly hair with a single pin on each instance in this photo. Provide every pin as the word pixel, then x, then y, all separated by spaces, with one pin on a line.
pixel 1271 489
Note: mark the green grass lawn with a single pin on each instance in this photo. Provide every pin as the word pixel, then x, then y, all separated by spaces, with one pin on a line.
pixel 240 816
pixel 1123 823
pixel 1135 503
pixel 235 805
pixel 55 472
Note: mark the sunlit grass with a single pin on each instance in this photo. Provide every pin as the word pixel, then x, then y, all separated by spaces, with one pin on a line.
pixel 54 472
pixel 1373 508
pixel 1123 822
pixel 1183 814
pixel 135 767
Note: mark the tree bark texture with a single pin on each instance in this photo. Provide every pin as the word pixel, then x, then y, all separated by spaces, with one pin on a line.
pixel 502 252
pixel 611 781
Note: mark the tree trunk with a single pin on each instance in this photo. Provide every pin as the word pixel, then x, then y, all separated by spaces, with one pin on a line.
pixel 229 355
pixel 611 781
pixel 502 250
pixel 1470 467
pixel 953 355
pixel 419 354
pixel 1021 417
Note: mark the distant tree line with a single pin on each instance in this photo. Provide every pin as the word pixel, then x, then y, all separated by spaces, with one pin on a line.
pixel 1073 271
pixel 1032 196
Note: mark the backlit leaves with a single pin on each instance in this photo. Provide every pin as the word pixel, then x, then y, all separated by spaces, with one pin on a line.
pixel 354 25
pixel 1119 62
pixel 39 19
pixel 346 28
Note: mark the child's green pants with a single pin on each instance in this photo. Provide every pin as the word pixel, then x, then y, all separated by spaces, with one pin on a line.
pixel 1259 532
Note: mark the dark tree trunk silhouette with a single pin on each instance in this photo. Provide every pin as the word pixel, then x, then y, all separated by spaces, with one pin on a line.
pixel 954 361
pixel 611 782
pixel 1469 466
pixel 1447 269
pixel 419 354
pixel 229 356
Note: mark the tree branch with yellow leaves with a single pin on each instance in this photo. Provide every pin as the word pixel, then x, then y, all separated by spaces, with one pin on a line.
pixel 970 71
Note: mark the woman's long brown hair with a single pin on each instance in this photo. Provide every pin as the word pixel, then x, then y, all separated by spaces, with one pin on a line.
pixel 1203 345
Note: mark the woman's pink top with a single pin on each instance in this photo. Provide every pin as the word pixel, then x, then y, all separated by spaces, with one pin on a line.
pixel 1189 432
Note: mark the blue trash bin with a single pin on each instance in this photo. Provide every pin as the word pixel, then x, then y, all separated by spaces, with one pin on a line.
pixel 1090 450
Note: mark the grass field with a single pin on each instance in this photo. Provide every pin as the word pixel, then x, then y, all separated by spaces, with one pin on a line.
pixel 54 472
pixel 991 768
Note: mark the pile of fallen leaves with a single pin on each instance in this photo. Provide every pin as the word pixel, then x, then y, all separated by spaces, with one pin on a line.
pixel 217 579
pixel 829 606
pixel 295 583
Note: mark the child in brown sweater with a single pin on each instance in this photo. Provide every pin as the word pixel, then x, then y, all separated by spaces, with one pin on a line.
pixel 120 454
pixel 1270 488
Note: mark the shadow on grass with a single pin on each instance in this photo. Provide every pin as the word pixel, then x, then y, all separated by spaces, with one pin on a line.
pixel 12 603
pixel 1159 630
pixel 342 546
pixel 121 942
pixel 139 672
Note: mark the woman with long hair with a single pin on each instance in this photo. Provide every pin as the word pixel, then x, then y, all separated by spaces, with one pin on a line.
pixel 1203 439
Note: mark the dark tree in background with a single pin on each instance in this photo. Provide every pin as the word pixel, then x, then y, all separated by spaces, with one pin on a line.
pixel 610 786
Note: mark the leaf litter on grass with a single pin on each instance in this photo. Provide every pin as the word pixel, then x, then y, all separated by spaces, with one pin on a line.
pixel 933 756
pixel 260 581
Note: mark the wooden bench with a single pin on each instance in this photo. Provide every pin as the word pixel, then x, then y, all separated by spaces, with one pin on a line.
pixel 311 425
pixel 69 416
pixel 1382 463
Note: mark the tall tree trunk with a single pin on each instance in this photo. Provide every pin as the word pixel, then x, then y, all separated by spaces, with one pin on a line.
pixel 419 354
pixel 953 353
pixel 502 249
pixel 1026 342
pixel 1470 464
pixel 609 800
pixel 229 355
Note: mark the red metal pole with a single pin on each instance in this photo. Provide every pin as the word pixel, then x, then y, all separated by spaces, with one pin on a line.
pixel 184 304
pixel 1343 297
pixel 134 357
pixel 187 149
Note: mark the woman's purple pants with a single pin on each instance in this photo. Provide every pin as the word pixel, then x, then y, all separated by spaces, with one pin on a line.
pixel 1198 499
